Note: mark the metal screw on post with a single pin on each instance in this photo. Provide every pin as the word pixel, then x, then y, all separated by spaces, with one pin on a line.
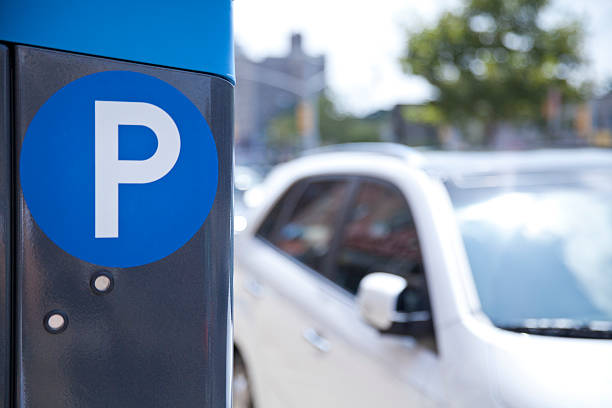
pixel 55 321
pixel 102 283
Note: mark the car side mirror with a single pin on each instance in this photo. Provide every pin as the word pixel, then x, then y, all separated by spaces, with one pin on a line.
pixel 379 297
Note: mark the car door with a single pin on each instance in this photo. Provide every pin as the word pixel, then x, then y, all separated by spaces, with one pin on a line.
pixel 277 285
pixel 361 367
pixel 300 276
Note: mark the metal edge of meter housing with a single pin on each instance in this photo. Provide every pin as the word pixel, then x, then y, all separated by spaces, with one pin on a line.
pixel 5 230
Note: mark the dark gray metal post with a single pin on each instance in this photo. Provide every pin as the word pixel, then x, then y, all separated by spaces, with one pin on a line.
pixel 5 229
pixel 162 337
pixel 116 141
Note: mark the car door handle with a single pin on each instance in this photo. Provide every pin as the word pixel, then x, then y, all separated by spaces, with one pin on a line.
pixel 254 288
pixel 316 340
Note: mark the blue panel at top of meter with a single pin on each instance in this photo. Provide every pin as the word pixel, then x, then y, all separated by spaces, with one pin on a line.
pixel 187 34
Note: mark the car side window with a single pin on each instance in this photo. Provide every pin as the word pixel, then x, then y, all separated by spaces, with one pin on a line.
pixel 379 236
pixel 307 232
pixel 267 228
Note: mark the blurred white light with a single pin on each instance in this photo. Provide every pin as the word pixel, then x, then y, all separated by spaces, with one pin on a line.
pixel 254 197
pixel 240 223
pixel 243 181
pixel 482 23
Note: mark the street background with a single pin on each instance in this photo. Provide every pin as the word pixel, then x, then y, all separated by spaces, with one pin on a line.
pixel 523 75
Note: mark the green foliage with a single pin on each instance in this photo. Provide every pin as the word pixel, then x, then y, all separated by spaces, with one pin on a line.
pixel 425 114
pixel 282 131
pixel 335 127
pixel 493 62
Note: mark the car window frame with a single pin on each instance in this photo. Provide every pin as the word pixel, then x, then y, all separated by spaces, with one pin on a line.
pixel 359 180
pixel 292 200
pixel 355 181
pixel 337 240
pixel 291 194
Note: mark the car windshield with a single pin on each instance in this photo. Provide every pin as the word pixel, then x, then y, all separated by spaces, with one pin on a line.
pixel 539 245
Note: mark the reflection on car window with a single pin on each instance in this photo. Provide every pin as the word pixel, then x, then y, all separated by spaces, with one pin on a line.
pixel 380 236
pixel 307 234
pixel 540 249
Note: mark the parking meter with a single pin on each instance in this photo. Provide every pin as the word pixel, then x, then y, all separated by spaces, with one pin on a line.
pixel 115 203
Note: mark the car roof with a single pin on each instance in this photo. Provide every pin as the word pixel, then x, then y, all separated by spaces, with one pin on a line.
pixel 456 163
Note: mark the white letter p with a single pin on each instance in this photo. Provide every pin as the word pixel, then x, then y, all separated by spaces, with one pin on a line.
pixel 110 171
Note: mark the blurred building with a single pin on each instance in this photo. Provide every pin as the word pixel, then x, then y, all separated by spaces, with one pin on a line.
pixel 601 120
pixel 271 87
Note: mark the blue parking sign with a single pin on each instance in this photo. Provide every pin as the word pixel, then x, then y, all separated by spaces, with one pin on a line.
pixel 119 169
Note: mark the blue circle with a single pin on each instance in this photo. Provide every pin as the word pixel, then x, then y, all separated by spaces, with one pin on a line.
pixel 58 177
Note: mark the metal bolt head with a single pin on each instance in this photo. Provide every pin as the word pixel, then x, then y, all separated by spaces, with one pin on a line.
pixel 102 283
pixel 56 322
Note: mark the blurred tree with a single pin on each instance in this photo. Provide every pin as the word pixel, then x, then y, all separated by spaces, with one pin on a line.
pixel 283 132
pixel 493 62
pixel 283 137
pixel 334 127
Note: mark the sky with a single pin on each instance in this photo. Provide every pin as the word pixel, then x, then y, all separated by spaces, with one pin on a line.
pixel 363 41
